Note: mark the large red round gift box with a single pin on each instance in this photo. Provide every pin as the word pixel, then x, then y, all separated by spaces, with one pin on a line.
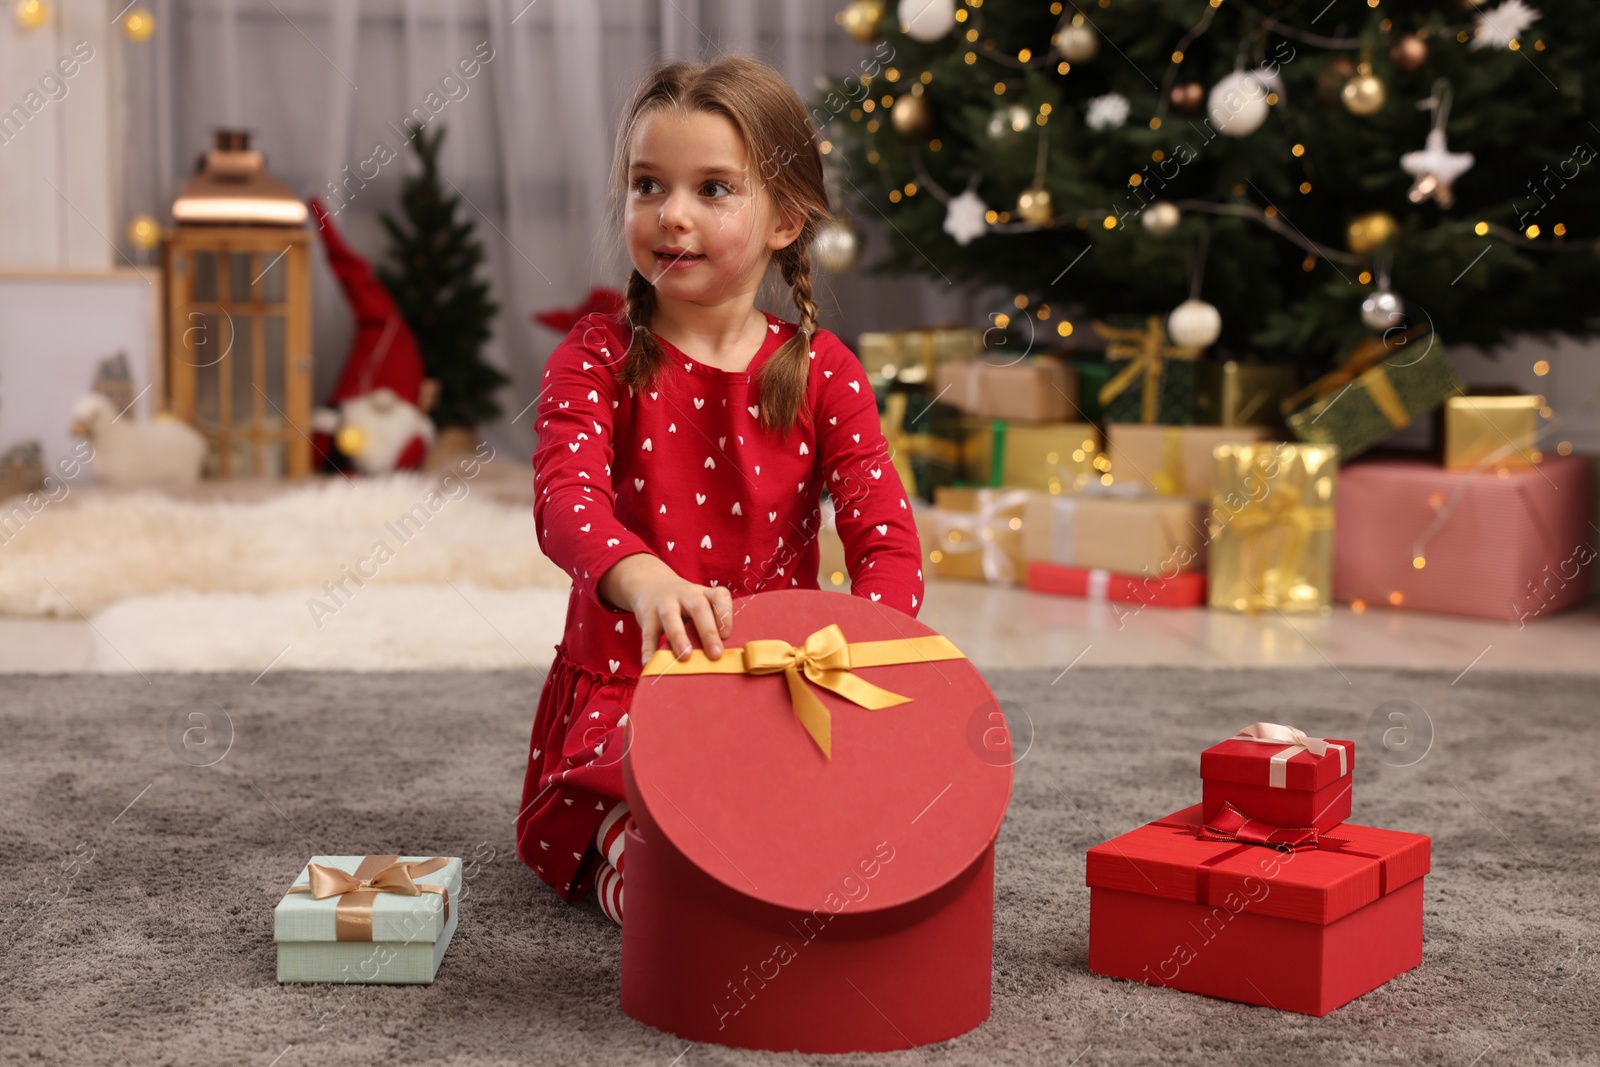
pixel 782 898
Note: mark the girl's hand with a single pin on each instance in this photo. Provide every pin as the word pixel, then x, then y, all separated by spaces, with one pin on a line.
pixel 660 600
pixel 662 604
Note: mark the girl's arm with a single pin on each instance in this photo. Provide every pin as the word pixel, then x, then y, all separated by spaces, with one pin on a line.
pixel 881 547
pixel 574 508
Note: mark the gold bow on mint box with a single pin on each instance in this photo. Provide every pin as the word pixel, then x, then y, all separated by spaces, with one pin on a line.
pixel 1147 350
pixel 1366 356
pixel 358 891
pixel 825 659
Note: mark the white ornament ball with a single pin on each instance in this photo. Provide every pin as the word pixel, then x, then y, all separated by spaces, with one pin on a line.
pixel 927 20
pixel 1238 104
pixel 837 246
pixel 1194 323
pixel 1162 217
pixel 1009 120
pixel 1078 44
pixel 1382 310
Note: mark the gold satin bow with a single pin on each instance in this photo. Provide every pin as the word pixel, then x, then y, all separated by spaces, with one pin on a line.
pixel 356 892
pixel 826 659
pixel 1147 350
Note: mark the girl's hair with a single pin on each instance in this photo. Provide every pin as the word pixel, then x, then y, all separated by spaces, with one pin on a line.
pixel 779 140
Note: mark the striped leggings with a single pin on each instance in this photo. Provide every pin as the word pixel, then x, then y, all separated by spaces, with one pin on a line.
pixel 608 880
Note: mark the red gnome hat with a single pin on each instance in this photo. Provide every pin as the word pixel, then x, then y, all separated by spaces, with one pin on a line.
pixel 383 353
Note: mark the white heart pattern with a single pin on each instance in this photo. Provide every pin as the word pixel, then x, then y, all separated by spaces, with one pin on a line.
pixel 612 542
pixel 699 498
pixel 585 527
pixel 877 596
pixel 736 510
pixel 856 386
pixel 670 544
pixel 573 445
pixel 614 664
pixel 856 438
pixel 699 402
pixel 638 483
pixel 647 446
pixel 711 464
pixel 705 542
pixel 619 626
pixel 882 529
pixel 772 516
pixel 804 451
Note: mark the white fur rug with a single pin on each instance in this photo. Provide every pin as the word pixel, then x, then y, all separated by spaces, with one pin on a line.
pixel 94 548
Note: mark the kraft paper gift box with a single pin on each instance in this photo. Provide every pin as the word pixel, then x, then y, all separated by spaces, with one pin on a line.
pixel 1172 460
pixel 1132 535
pixel 1512 544
pixel 1491 431
pixel 368 919
pixel 1181 589
pixel 1298 922
pixel 975 534
pixel 805 872
pixel 1279 775
pixel 1384 385
pixel 1056 457
pixel 1271 528
pixel 1035 389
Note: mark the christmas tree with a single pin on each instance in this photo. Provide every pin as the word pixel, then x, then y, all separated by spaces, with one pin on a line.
pixel 1112 159
pixel 434 281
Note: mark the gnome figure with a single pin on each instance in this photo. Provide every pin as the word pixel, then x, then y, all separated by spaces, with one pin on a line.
pixel 375 419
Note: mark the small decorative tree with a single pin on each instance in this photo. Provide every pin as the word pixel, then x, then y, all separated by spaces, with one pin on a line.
pixel 433 276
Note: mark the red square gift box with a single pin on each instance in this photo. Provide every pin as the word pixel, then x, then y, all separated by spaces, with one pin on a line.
pixel 811 861
pixel 1509 544
pixel 1279 775
pixel 1182 589
pixel 1305 929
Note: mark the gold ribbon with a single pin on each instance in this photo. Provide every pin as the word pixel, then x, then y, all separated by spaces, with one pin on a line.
pixel 1147 350
pixel 1282 510
pixel 903 446
pixel 1365 357
pixel 358 891
pixel 826 659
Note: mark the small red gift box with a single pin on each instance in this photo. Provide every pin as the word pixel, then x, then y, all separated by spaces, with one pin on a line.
pixel 1279 775
pixel 1300 930
pixel 811 862
pixel 1183 589
pixel 1509 544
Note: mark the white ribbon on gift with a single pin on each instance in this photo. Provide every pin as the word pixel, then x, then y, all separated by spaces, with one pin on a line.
pixel 997 566
pixel 1064 530
pixel 1296 740
pixel 1099 584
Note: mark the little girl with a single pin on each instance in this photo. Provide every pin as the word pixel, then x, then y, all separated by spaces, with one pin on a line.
pixel 684 444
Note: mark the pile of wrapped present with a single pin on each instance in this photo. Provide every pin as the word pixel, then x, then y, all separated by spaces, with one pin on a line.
pixel 1147 474
pixel 1264 892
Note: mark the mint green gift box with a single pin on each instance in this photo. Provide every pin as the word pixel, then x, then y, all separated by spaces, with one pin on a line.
pixel 390 926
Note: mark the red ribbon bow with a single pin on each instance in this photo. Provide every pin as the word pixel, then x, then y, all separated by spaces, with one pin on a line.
pixel 1231 824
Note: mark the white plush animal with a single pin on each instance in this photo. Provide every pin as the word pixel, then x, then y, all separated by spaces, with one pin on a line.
pixel 128 453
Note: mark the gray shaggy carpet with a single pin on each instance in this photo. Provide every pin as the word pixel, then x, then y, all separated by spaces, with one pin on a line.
pixel 137 918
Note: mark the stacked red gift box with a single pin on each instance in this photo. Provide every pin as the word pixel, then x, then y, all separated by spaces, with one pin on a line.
pixel 1262 893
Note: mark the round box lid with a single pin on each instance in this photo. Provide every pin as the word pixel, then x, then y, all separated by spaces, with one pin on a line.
pixel 911 795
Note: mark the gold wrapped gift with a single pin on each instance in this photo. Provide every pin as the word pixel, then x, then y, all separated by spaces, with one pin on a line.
pixel 1271 526
pixel 1121 534
pixel 1057 457
pixel 910 355
pixel 1243 394
pixel 1172 460
pixel 975 534
pixel 1491 431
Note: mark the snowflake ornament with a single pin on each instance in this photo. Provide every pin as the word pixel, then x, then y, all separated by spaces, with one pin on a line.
pixel 1435 170
pixel 965 218
pixel 1498 28
pixel 1107 112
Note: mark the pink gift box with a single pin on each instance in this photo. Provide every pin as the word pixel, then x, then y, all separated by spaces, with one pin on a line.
pixel 1494 544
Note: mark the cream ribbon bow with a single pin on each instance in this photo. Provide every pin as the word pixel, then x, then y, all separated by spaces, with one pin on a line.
pixel 1297 741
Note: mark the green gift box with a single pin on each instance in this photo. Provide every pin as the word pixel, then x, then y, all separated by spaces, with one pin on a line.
pixel 1093 374
pixel 1383 386
pixel 1152 380
pixel 924 438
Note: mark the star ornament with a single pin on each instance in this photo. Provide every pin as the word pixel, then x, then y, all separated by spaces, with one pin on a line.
pixel 965 218
pixel 1498 28
pixel 1435 170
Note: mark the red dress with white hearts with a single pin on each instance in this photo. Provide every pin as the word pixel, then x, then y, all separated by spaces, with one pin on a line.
pixel 683 471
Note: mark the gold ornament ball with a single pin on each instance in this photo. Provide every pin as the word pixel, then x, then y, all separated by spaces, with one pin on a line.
pixel 138 24
pixel 1364 94
pixel 1078 44
pixel 1035 205
pixel 837 246
pixel 1410 52
pixel 31 14
pixel 144 232
pixel 913 115
pixel 350 440
pixel 1370 230
pixel 1161 218
pixel 860 19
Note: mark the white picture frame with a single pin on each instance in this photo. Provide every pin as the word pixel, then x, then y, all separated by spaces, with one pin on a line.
pixel 56 327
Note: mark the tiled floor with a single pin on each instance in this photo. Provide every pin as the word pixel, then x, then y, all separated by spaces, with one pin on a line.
pixel 1003 627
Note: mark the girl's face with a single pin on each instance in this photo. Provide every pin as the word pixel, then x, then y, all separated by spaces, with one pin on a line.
pixel 698 224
